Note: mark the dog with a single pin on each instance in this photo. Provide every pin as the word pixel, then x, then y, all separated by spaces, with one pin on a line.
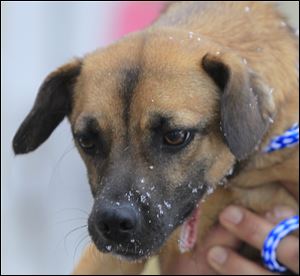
pixel 177 113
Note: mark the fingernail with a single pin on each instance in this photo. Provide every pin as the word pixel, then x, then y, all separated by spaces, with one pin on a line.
pixel 232 215
pixel 217 255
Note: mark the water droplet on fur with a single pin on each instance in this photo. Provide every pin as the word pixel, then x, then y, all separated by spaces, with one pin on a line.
pixel 271 120
pixel 191 34
pixel 194 191
pixel 150 221
pixel 118 203
pixel 151 167
pixel 283 24
pixel 171 225
pixel 218 52
pixel 152 188
pixel 132 240
pixel 108 247
pixel 271 91
pixel 247 9
pixel 142 180
pixel 148 195
pixel 245 61
pixel 170 37
pixel 199 39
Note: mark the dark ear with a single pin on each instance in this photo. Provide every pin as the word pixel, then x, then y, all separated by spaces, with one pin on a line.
pixel 52 104
pixel 245 108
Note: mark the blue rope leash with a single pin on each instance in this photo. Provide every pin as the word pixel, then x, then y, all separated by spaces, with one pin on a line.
pixel 272 241
pixel 288 139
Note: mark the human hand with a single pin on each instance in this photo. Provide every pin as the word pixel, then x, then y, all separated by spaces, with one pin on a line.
pixel 252 229
pixel 217 254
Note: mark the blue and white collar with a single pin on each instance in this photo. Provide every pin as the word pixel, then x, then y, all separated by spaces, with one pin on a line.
pixel 287 139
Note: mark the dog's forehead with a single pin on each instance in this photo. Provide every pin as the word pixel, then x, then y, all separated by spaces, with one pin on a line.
pixel 134 78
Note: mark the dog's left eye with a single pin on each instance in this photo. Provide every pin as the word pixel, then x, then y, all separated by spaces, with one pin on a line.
pixel 176 137
pixel 86 143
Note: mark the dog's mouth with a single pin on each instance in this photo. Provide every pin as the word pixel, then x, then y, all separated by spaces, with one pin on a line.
pixel 189 230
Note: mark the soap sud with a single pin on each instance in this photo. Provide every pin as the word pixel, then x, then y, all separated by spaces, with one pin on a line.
pixel 198 38
pixel 222 182
pixel 152 188
pixel 118 203
pixel 171 225
pixel 230 171
pixel 150 221
pixel 194 191
pixel 167 204
pixel 151 167
pixel 271 120
pixel 143 180
pixel 210 190
pixel 132 240
pixel 148 195
pixel 218 52
pixel 143 198
pixel 245 61
pixel 191 34
pixel 108 247
pixel 161 212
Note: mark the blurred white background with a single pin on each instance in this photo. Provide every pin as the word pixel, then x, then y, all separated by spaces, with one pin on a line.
pixel 45 195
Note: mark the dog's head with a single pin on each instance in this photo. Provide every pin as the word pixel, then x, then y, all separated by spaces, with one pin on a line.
pixel 157 125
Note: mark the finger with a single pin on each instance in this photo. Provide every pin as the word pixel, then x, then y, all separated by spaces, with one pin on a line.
pixel 254 229
pixel 219 236
pixel 279 213
pixel 227 262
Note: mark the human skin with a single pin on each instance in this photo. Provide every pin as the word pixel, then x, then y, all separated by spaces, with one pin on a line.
pixel 218 256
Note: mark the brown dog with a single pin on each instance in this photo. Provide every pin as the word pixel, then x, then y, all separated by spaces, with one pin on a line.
pixel 166 115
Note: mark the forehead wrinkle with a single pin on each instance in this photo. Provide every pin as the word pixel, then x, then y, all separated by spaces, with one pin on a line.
pixel 129 82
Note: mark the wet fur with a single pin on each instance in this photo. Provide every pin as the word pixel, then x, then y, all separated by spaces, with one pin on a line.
pixel 220 86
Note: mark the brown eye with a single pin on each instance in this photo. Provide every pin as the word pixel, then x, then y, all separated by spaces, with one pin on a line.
pixel 176 137
pixel 86 143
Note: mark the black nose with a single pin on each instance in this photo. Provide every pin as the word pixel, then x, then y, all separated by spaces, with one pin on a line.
pixel 117 223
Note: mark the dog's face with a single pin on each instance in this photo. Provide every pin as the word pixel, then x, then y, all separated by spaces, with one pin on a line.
pixel 157 125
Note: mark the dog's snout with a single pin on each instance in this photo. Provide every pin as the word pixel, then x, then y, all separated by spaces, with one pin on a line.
pixel 117 224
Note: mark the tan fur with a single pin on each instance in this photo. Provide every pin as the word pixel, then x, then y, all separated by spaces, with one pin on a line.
pixel 166 52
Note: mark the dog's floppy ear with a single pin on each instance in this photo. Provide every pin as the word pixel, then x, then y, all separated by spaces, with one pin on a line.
pixel 52 104
pixel 243 121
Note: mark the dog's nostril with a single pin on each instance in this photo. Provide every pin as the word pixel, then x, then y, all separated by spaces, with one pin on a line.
pixel 105 228
pixel 126 225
